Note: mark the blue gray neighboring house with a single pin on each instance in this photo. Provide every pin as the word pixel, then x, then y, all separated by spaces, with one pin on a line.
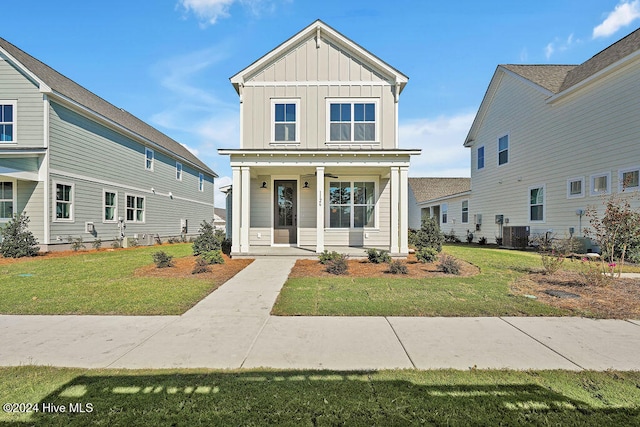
pixel 80 167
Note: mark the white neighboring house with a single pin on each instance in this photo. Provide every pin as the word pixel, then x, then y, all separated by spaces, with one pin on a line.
pixel 550 141
pixel 219 219
pixel 446 199
pixel 319 163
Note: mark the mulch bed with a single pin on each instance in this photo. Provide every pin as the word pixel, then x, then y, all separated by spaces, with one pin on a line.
pixel 620 299
pixel 363 268
pixel 183 266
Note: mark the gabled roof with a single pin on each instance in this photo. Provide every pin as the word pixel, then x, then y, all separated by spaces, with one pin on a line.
pixel 325 31
pixel 61 85
pixel 550 77
pixel 221 213
pixel 426 189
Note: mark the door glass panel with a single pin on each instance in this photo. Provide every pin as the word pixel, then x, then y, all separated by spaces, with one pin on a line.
pixel 285 204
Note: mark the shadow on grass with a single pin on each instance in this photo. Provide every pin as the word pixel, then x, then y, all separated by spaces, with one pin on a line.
pixel 310 398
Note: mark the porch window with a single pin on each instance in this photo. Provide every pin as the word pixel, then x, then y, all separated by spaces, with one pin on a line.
pixel 6 200
pixel 7 121
pixel 110 206
pixel 444 211
pixel 352 121
pixel 285 120
pixel 135 209
pixel 352 204
pixel 64 202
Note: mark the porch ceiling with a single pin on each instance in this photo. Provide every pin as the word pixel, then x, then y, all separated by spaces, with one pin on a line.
pixel 308 172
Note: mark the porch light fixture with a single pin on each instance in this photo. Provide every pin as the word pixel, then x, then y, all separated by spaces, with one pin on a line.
pixel 264 185
pixel 306 184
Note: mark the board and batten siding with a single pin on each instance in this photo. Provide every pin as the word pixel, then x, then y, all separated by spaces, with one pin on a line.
pixel 595 130
pixel 295 76
pixel 30 105
pixel 94 157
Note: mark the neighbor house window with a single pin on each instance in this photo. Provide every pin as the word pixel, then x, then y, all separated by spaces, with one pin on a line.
pixel 575 187
pixel 465 211
pixel 148 154
pixel 6 200
pixel 481 157
pixel 110 206
pixel 352 204
pixel 285 120
pixel 64 202
pixel 200 182
pixel 503 150
pixel 600 184
pixel 536 204
pixel 7 121
pixel 352 121
pixel 629 179
pixel 444 212
pixel 179 171
pixel 135 209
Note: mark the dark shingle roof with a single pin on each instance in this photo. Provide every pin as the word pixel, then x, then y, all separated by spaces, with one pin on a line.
pixel 550 77
pixel 84 97
pixel 425 189
pixel 222 213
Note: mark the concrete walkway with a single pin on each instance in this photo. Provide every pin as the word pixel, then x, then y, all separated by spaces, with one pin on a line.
pixel 232 328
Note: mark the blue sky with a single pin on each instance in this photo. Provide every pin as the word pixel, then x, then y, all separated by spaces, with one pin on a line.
pixel 168 61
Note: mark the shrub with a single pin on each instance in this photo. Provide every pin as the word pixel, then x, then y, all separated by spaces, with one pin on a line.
pixel 378 257
pixel 469 237
pixel 162 259
pixel 451 237
pixel 17 240
pixel 158 239
pixel 398 267
pixel 76 244
pixel 97 244
pixel 133 243
pixel 202 266
pixel 213 257
pixel 338 265
pixel 482 241
pixel 208 239
pixel 592 274
pixel 499 241
pixel 172 240
pixel 449 265
pixel 553 251
pixel 117 243
pixel 429 235
pixel 326 256
pixel 412 237
pixel 426 255
pixel 226 246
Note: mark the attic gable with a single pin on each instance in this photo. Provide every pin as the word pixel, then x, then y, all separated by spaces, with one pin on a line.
pixel 319 53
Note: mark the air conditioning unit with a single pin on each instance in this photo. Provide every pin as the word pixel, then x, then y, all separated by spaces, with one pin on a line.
pixel 515 236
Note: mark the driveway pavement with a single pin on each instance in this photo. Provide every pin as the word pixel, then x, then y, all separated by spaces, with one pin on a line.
pixel 232 328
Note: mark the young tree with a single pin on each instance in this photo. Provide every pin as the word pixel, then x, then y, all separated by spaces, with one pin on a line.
pixel 17 240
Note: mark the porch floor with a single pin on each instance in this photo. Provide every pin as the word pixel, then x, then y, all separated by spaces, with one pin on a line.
pixel 302 251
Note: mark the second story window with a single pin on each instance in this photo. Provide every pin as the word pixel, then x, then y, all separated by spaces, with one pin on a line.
pixel 7 121
pixel 480 158
pixel 148 163
pixel 352 121
pixel 179 171
pixel 285 120
pixel 503 150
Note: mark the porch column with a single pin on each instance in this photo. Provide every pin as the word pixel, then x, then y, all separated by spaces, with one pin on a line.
pixel 236 194
pixel 246 209
pixel 320 209
pixel 404 210
pixel 395 189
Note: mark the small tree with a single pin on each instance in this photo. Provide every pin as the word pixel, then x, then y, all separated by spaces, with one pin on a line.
pixel 616 232
pixel 17 240
pixel 429 235
pixel 208 240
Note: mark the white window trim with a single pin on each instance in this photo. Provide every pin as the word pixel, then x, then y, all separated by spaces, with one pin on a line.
pixel 14 199
pixel 14 103
pixel 444 209
pixel 179 171
pixel 582 187
pixel 72 202
pixel 484 161
pixel 508 135
pixel 544 203
pixel 592 180
pixel 621 182
pixel 351 180
pixel 462 212
pixel 144 210
pixel 329 101
pixel 153 158
pixel 275 101
pixel 201 182
pixel 104 205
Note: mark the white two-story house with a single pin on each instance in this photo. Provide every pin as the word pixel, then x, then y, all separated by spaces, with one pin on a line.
pixel 319 164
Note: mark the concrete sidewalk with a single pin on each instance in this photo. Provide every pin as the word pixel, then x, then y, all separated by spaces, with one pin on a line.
pixel 232 328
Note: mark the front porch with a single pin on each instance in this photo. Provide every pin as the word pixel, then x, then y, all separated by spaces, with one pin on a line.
pixel 303 252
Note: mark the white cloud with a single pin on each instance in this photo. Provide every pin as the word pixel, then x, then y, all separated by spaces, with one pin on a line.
pixel 193 151
pixel 219 196
pixel 559 45
pixel 624 14
pixel 441 140
pixel 209 11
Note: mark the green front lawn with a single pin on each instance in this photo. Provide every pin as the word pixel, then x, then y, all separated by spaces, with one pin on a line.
pixel 300 398
pixel 97 283
pixel 486 294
